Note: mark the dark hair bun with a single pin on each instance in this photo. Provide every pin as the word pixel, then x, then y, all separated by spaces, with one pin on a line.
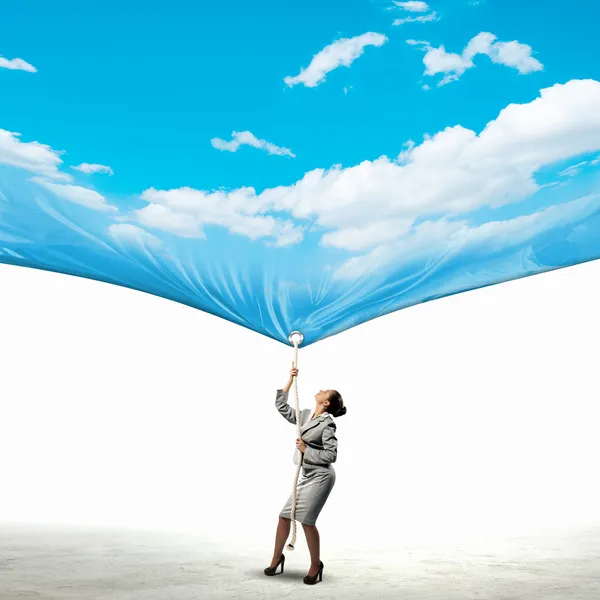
pixel 340 412
pixel 336 404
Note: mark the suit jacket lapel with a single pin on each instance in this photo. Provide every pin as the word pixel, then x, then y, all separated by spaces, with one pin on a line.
pixel 313 423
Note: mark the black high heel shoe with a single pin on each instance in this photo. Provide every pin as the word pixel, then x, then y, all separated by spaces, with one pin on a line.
pixel 270 571
pixel 312 579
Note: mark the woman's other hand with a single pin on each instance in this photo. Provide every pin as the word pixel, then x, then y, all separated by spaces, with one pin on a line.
pixel 300 445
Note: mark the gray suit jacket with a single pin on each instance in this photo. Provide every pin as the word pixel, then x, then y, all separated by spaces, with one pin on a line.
pixel 318 434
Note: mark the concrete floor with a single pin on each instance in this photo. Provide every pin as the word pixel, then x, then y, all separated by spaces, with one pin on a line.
pixel 62 564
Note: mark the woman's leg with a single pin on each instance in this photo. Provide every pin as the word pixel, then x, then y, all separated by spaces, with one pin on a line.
pixel 283 530
pixel 314 547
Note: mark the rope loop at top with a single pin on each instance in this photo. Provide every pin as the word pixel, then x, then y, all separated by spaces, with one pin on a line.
pixel 296 338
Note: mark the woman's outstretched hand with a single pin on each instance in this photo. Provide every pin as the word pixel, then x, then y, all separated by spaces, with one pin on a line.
pixel 293 373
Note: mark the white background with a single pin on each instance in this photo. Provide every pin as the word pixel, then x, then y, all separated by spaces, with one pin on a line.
pixel 469 415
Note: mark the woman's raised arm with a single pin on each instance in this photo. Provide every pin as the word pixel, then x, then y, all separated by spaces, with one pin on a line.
pixel 281 400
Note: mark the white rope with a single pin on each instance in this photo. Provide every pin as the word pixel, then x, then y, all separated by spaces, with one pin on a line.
pixel 295 489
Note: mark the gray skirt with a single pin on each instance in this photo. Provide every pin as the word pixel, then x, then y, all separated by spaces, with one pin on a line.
pixel 314 487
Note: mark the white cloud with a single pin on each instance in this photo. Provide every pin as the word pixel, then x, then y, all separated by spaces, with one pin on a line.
pixel 186 212
pixel 377 202
pixel 443 239
pixel 16 64
pixel 343 52
pixel 132 234
pixel 416 7
pixel 432 16
pixel 573 169
pixel 168 219
pixel 246 138
pixel 44 163
pixel 31 156
pixel 576 168
pixel 362 238
pixel 413 6
pixel 437 60
pixel 90 169
pixel 511 54
pixel 76 194
pixel 288 234
pixel 492 168
pixel 422 240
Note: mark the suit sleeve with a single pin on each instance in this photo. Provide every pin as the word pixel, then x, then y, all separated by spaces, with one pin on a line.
pixel 281 402
pixel 329 453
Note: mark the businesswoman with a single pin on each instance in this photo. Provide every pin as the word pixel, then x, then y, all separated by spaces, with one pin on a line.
pixel 318 449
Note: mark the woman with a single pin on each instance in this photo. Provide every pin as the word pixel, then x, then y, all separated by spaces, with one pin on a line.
pixel 318 449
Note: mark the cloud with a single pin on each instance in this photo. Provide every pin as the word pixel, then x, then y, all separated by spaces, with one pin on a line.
pixel 132 234
pixel 576 168
pixel 428 238
pixel 360 207
pixel 76 194
pixel 413 6
pixel 433 16
pixel 361 238
pixel 165 218
pixel 44 163
pixel 444 239
pixel 186 212
pixel 511 54
pixel 492 168
pixel 246 138
pixel 31 156
pixel 89 169
pixel 416 7
pixel 573 169
pixel 343 52
pixel 16 64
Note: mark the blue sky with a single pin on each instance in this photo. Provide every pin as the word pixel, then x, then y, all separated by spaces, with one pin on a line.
pixel 142 88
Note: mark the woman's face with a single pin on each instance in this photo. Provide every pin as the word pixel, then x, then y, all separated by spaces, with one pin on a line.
pixel 322 398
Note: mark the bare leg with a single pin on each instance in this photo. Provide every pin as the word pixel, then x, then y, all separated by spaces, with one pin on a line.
pixel 314 547
pixel 283 530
